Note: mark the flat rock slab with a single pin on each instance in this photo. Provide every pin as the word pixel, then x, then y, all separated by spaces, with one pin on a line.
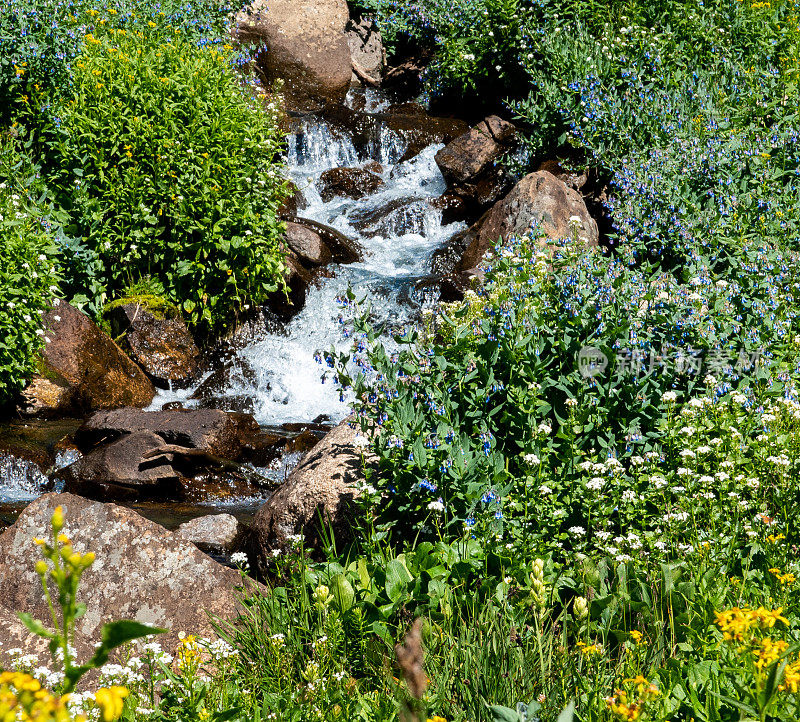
pixel 142 572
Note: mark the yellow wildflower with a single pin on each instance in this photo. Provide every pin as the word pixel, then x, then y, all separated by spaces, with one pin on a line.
pixel 110 700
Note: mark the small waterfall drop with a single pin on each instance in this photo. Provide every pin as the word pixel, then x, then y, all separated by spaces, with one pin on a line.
pixel 397 227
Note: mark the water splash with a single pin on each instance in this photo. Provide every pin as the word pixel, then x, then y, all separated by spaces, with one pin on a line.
pixel 399 230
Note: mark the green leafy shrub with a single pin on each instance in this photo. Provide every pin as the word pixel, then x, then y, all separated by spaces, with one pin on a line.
pixel 468 414
pixel 29 271
pixel 165 168
pixel 40 39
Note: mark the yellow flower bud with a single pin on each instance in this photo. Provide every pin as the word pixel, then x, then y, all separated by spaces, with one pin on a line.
pixel 64 539
pixel 88 559
pixel 75 559
pixel 38 541
pixel 41 567
pixel 58 519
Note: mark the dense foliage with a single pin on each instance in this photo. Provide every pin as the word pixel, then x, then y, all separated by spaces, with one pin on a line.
pixel 29 272
pixel 142 157
pixel 166 170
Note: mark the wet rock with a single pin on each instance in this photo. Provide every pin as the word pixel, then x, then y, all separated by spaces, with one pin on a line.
pixel 215 391
pixel 366 50
pixel 417 131
pixel 217 433
pixel 294 202
pixel 162 346
pixel 142 572
pixel 453 206
pixel 223 486
pixel 188 454
pixel 406 108
pixel 302 443
pixel 323 483
pixel 298 279
pixel 82 370
pixel 473 153
pixel 213 534
pixel 302 43
pixel 317 428
pixel 122 471
pixel 307 244
pixel 342 248
pixel 538 199
pixel 348 182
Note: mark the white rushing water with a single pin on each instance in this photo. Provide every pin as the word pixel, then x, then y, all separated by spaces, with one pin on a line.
pixel 23 480
pixel 399 231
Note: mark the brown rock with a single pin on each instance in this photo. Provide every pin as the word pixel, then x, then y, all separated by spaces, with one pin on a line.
pixel 366 50
pixel 217 433
pixel 302 42
pixel 213 534
pixel 474 152
pixel 142 572
pixel 323 483
pixel 163 347
pixel 538 199
pixel 348 182
pixel 294 202
pixel 121 471
pixel 307 244
pixel 298 279
pixel 83 370
pixel 342 248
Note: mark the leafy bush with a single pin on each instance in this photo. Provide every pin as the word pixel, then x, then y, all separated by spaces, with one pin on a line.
pixel 29 272
pixel 165 168
pixel 39 39
pixel 466 415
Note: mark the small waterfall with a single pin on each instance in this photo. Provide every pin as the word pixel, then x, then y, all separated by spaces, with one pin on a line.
pixel 399 230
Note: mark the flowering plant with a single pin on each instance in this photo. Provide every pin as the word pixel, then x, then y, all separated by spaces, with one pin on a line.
pixel 64 567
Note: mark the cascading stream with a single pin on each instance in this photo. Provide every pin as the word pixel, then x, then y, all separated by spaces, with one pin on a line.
pixel 398 229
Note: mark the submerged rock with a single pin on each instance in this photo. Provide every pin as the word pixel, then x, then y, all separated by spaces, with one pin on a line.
pixel 163 347
pixel 82 370
pixel 302 43
pixel 142 572
pixel 348 182
pixel 324 483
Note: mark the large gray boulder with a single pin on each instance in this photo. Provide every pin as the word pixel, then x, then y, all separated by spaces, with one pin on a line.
pixel 324 484
pixel 302 43
pixel 82 370
pixel 142 572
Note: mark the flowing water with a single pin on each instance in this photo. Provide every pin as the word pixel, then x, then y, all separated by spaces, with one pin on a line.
pixel 398 229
